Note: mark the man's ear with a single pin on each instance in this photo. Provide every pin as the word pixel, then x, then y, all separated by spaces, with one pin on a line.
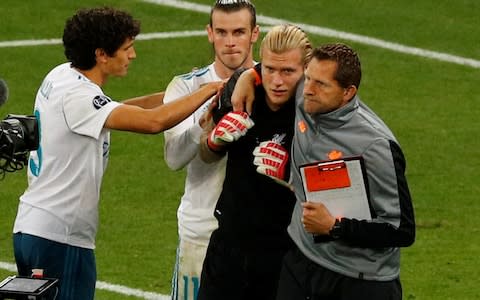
pixel 100 55
pixel 349 93
pixel 255 34
pixel 210 33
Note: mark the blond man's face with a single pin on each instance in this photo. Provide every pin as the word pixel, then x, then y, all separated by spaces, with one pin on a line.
pixel 281 73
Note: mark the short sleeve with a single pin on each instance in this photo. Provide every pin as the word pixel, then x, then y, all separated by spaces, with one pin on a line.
pixel 86 109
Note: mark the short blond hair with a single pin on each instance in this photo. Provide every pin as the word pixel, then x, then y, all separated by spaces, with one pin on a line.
pixel 282 38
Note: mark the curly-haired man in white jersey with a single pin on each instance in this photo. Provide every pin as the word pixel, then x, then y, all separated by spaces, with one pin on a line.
pixel 57 217
pixel 232 31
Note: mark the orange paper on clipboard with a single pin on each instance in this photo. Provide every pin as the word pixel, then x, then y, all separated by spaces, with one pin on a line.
pixel 326 176
pixel 340 185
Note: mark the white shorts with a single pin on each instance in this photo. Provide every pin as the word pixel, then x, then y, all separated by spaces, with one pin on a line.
pixel 188 268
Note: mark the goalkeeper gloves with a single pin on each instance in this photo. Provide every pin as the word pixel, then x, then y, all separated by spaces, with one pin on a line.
pixel 271 159
pixel 229 129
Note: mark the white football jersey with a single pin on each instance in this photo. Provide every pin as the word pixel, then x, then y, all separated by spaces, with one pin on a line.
pixel 65 173
pixel 204 181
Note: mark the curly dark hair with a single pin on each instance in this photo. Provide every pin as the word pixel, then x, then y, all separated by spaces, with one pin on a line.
pixel 96 28
pixel 349 71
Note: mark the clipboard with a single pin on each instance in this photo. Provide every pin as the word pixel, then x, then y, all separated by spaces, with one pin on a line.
pixel 340 185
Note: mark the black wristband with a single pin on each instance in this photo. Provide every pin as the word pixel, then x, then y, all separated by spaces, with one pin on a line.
pixel 337 230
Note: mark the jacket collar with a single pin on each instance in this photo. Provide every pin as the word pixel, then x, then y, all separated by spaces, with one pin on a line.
pixel 338 117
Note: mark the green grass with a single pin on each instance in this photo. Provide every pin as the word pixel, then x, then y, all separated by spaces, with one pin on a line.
pixel 431 106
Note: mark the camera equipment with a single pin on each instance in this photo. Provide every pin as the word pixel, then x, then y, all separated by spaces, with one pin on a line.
pixel 18 287
pixel 18 136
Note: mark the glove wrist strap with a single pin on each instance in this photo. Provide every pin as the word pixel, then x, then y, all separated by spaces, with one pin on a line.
pixel 214 147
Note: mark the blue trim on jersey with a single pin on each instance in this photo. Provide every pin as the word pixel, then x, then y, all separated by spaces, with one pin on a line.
pixel 196 73
pixel 175 274
pixel 36 167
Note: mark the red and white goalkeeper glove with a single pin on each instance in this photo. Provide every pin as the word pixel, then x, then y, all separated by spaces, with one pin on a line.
pixel 230 128
pixel 271 159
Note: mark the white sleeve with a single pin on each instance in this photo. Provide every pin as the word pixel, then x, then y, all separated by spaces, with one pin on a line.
pixel 181 141
pixel 86 109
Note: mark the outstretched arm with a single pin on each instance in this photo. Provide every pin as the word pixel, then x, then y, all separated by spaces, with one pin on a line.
pixel 148 101
pixel 137 119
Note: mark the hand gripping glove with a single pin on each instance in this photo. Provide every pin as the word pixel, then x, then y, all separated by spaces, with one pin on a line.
pixel 271 159
pixel 229 129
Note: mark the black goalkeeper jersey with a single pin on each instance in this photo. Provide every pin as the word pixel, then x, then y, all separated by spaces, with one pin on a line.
pixel 253 210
